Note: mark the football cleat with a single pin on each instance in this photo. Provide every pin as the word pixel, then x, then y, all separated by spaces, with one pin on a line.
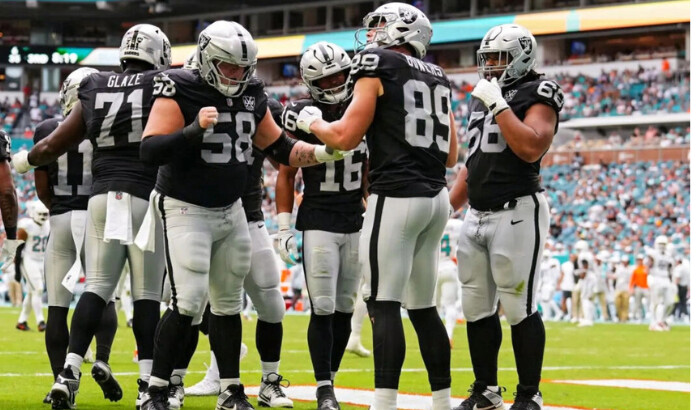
pixel 157 399
pixel 206 387
pixel 325 398
pixel 41 326
pixel 271 394
pixel 22 326
pixel 481 398
pixel 47 399
pixel 142 396
pixel 233 398
pixel 89 356
pixel 176 395
pixel 527 402
pixel 355 346
pixel 64 390
pixel 102 374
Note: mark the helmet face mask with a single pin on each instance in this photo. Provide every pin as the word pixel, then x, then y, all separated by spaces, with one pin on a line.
pixel 516 48
pixel 322 66
pixel 226 42
pixel 147 43
pixel 68 94
pixel 395 24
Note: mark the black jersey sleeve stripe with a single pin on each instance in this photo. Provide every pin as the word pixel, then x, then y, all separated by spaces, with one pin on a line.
pixel 168 261
pixel 533 266
pixel 374 245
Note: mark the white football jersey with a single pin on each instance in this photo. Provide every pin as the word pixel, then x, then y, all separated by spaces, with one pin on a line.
pixel 663 263
pixel 448 244
pixel 37 238
pixel 551 271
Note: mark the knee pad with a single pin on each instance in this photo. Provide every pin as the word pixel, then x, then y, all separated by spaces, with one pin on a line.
pixel 271 310
pixel 514 307
pixel 323 305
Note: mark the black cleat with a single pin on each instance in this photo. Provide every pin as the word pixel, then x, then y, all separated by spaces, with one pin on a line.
pixel 102 374
pixel 481 398
pixel 41 326
pixel 157 399
pixel 64 390
pixel 22 326
pixel 325 398
pixel 525 401
pixel 233 398
pixel 47 399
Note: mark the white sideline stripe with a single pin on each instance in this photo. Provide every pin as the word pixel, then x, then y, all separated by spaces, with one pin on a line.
pixel 460 369
pixel 361 397
pixel 632 384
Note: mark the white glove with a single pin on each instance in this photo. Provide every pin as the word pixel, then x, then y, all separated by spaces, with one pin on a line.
pixel 286 245
pixel 307 116
pixel 21 162
pixel 9 248
pixel 324 153
pixel 489 93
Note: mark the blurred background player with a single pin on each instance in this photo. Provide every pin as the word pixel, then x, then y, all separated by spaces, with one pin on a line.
pixel 639 289
pixel 64 187
pixel 551 272
pixel 620 273
pixel 681 278
pixel 588 285
pixel 662 291
pixel 447 289
pixel 329 217
pixel 29 262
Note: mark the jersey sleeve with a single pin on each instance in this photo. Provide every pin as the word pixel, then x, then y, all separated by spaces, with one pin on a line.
pixel 5 146
pixel 374 63
pixel 167 84
pixel 546 92
pixel 256 90
pixel 289 119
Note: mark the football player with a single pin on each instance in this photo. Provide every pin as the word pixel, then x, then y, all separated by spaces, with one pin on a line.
pixel 8 208
pixel 329 217
pixel 513 117
pixel 64 187
pixel 661 290
pixel 262 286
pixel 201 133
pixel 551 271
pixel 29 262
pixel 448 280
pixel 403 106
pixel 112 113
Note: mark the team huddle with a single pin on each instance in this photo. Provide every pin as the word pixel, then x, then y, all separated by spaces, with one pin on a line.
pixel 161 168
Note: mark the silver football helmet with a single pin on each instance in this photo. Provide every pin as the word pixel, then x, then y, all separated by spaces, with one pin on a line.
pixel 38 212
pixel 395 24
pixel 322 60
pixel 148 43
pixel 68 95
pixel 516 48
pixel 226 42
pixel 661 243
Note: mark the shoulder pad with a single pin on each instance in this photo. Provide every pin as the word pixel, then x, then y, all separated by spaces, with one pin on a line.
pixel 291 113
pixel 539 91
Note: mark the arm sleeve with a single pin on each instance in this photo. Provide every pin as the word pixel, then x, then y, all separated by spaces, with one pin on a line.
pixel 18 262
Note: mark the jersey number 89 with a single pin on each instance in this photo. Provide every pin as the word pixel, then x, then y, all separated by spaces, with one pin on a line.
pixel 423 106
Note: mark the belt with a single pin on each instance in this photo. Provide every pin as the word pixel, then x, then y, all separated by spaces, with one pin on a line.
pixel 506 205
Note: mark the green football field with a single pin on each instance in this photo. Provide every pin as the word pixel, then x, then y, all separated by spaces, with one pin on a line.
pixel 643 370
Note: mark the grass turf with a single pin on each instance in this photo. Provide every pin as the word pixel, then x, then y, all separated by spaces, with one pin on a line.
pixel 604 351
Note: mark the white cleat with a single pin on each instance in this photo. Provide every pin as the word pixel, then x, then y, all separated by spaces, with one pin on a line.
pixel 206 387
pixel 89 356
pixel 355 346
pixel 271 393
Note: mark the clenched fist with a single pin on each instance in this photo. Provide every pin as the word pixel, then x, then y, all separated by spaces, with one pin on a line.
pixel 208 116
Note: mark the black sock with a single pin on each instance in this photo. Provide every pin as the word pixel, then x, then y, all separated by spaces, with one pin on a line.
pixel 434 346
pixel 204 326
pixel 528 345
pixel 268 340
pixel 320 339
pixel 86 319
pixel 169 346
pixel 485 336
pixel 225 334
pixel 342 327
pixel 146 316
pixel 56 338
pixel 104 336
pixel 389 343
pixel 191 340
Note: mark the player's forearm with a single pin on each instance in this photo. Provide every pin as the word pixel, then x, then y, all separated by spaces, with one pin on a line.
pixel 453 155
pixel 458 193
pixel 284 190
pixel 303 155
pixel 336 134
pixel 523 140
pixel 8 208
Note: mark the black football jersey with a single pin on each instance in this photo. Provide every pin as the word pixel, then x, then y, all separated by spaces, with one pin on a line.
pixel 332 190
pixel 409 137
pixel 496 175
pixel 115 110
pixel 5 146
pixel 252 199
pixel 213 172
pixel 70 176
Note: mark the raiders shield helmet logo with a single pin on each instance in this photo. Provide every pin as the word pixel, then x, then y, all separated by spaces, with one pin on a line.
pixel 249 102
pixel 526 44
pixel 509 95
pixel 408 16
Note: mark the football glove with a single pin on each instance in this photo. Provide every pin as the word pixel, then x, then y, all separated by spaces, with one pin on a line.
pixel 21 162
pixel 286 245
pixel 489 93
pixel 9 249
pixel 325 153
pixel 307 116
